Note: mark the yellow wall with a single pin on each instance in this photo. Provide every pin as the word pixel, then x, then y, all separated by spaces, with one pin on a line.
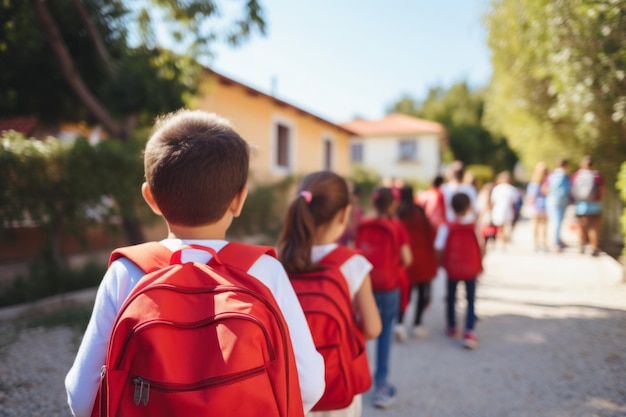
pixel 253 115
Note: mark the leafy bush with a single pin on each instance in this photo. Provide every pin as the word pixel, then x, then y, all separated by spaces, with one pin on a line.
pixel 366 180
pixel 483 173
pixel 62 187
pixel 264 211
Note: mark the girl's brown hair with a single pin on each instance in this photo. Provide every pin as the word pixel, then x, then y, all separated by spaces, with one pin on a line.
pixel 320 197
pixel 383 199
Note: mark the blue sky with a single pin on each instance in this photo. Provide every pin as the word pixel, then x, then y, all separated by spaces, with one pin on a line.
pixel 344 58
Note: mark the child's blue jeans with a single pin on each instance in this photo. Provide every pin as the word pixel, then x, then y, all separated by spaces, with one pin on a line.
pixel 556 215
pixel 388 303
pixel 470 290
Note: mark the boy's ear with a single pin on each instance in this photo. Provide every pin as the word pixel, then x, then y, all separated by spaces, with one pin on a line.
pixel 237 204
pixel 147 195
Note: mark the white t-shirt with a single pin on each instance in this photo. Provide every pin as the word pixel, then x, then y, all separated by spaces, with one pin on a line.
pixel 503 198
pixel 449 189
pixel 83 378
pixel 354 270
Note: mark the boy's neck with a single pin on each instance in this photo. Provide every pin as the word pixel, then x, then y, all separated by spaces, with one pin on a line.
pixel 213 231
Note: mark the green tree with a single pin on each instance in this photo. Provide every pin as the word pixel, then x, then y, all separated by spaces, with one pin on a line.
pixel 109 55
pixel 461 111
pixel 558 87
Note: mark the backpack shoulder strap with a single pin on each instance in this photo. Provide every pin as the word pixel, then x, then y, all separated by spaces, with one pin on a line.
pixel 338 256
pixel 149 256
pixel 242 255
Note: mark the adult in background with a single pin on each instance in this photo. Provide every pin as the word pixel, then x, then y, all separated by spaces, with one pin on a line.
pixel 587 192
pixel 470 179
pixel 557 188
pixel 433 203
pixel 504 197
pixel 454 185
pixel 487 229
pixel 536 202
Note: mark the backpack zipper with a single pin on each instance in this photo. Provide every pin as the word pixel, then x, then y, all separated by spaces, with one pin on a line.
pixel 197 324
pixel 143 386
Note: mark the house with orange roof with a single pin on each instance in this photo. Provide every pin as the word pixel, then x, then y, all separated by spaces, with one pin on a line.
pixel 397 146
pixel 284 139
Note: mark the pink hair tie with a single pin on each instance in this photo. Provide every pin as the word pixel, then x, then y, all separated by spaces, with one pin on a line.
pixel 306 195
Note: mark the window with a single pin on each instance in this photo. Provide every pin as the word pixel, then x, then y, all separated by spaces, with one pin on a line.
pixel 283 135
pixel 327 154
pixel 356 152
pixel 407 150
pixel 283 145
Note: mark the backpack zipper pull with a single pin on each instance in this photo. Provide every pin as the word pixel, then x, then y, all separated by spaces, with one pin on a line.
pixel 142 391
pixel 145 393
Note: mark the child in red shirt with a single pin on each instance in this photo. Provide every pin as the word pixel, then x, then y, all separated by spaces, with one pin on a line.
pixel 424 267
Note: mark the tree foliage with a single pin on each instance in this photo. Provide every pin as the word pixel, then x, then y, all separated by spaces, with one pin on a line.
pixel 123 61
pixel 461 111
pixel 558 87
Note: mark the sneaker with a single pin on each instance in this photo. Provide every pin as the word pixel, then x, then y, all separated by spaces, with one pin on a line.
pixel 384 396
pixel 596 252
pixel 419 332
pixel 451 332
pixel 400 332
pixel 469 340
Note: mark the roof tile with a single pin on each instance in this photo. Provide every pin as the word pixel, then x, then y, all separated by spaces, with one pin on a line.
pixel 394 124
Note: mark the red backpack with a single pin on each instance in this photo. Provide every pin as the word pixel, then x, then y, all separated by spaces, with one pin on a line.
pixel 462 258
pixel 194 339
pixel 377 240
pixel 326 302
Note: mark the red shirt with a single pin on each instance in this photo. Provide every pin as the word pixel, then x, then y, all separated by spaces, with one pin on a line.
pixel 433 202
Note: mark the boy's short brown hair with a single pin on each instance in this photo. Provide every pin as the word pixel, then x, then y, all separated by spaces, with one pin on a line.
pixel 460 203
pixel 195 163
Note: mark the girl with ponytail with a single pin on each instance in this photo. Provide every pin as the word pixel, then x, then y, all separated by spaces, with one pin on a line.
pixel 315 220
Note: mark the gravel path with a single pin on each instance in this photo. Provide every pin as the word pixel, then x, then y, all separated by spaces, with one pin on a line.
pixel 33 364
pixel 552 336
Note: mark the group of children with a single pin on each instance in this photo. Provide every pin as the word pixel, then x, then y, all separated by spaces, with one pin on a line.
pixel 260 341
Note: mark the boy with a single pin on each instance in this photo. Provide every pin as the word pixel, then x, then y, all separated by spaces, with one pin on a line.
pixel 196 168
pixel 459 251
